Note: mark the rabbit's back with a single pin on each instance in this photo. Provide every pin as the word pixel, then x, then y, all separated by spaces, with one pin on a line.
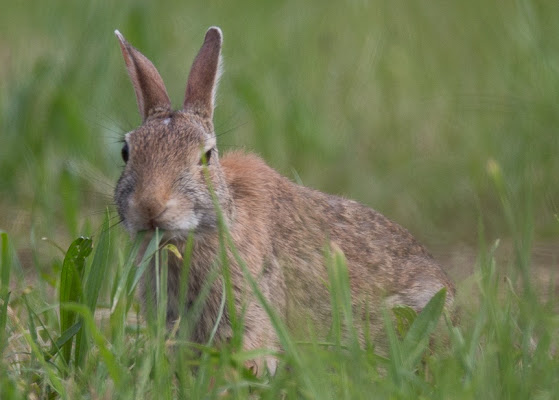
pixel 294 227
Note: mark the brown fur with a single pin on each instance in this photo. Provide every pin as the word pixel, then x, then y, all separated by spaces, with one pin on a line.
pixel 280 229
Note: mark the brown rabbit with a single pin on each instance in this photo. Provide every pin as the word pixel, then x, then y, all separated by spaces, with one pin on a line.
pixel 279 228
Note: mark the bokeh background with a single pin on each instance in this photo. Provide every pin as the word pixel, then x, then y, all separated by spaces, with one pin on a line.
pixel 413 108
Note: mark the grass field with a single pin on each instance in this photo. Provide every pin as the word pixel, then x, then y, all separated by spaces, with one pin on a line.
pixel 441 115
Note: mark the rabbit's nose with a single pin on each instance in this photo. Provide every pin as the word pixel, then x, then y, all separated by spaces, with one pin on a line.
pixel 151 209
pixel 155 221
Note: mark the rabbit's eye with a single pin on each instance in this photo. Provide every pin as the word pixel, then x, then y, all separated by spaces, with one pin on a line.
pixel 124 152
pixel 206 158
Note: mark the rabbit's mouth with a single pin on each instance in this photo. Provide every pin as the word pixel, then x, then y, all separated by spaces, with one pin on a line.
pixel 170 217
pixel 175 230
pixel 172 226
pixel 166 235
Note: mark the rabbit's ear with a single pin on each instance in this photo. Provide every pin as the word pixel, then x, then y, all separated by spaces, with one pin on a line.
pixel 204 75
pixel 148 85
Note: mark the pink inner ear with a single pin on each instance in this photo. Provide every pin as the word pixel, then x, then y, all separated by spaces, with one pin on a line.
pixel 203 77
pixel 150 90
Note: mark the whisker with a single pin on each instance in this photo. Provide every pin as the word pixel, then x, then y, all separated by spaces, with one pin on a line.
pixel 231 129
pixel 115 224
pixel 114 121
pixel 99 212
pixel 232 146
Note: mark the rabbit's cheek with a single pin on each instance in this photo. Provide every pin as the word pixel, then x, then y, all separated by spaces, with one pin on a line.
pixel 179 216
pixel 187 222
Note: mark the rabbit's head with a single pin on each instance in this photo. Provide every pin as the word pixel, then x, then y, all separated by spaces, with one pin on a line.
pixel 172 156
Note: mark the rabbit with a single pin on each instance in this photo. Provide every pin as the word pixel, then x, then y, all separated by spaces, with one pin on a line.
pixel 279 228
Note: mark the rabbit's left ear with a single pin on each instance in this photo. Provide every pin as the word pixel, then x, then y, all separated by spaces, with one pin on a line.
pixel 204 75
pixel 148 85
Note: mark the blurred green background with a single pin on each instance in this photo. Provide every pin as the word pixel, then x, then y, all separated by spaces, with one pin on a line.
pixel 400 105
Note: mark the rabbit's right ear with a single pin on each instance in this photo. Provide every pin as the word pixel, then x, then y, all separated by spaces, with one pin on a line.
pixel 151 94
pixel 204 74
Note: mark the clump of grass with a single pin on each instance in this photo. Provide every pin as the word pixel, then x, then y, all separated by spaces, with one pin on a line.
pixel 506 347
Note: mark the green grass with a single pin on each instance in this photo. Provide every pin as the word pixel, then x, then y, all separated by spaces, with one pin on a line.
pixel 503 346
pixel 441 115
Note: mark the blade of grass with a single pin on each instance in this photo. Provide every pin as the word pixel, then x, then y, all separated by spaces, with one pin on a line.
pixel 33 316
pixel 30 316
pixel 161 362
pixel 3 320
pixel 121 299
pixel 116 371
pixel 150 251
pixel 395 349
pixel 64 338
pixel 4 288
pixel 125 279
pixel 344 294
pixel 335 333
pixel 219 316
pixel 47 368
pixel 6 264
pixel 185 272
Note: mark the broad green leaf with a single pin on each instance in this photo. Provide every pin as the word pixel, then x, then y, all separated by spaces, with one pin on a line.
pixel 404 318
pixel 93 278
pixel 417 339
pixel 97 271
pixel 71 284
